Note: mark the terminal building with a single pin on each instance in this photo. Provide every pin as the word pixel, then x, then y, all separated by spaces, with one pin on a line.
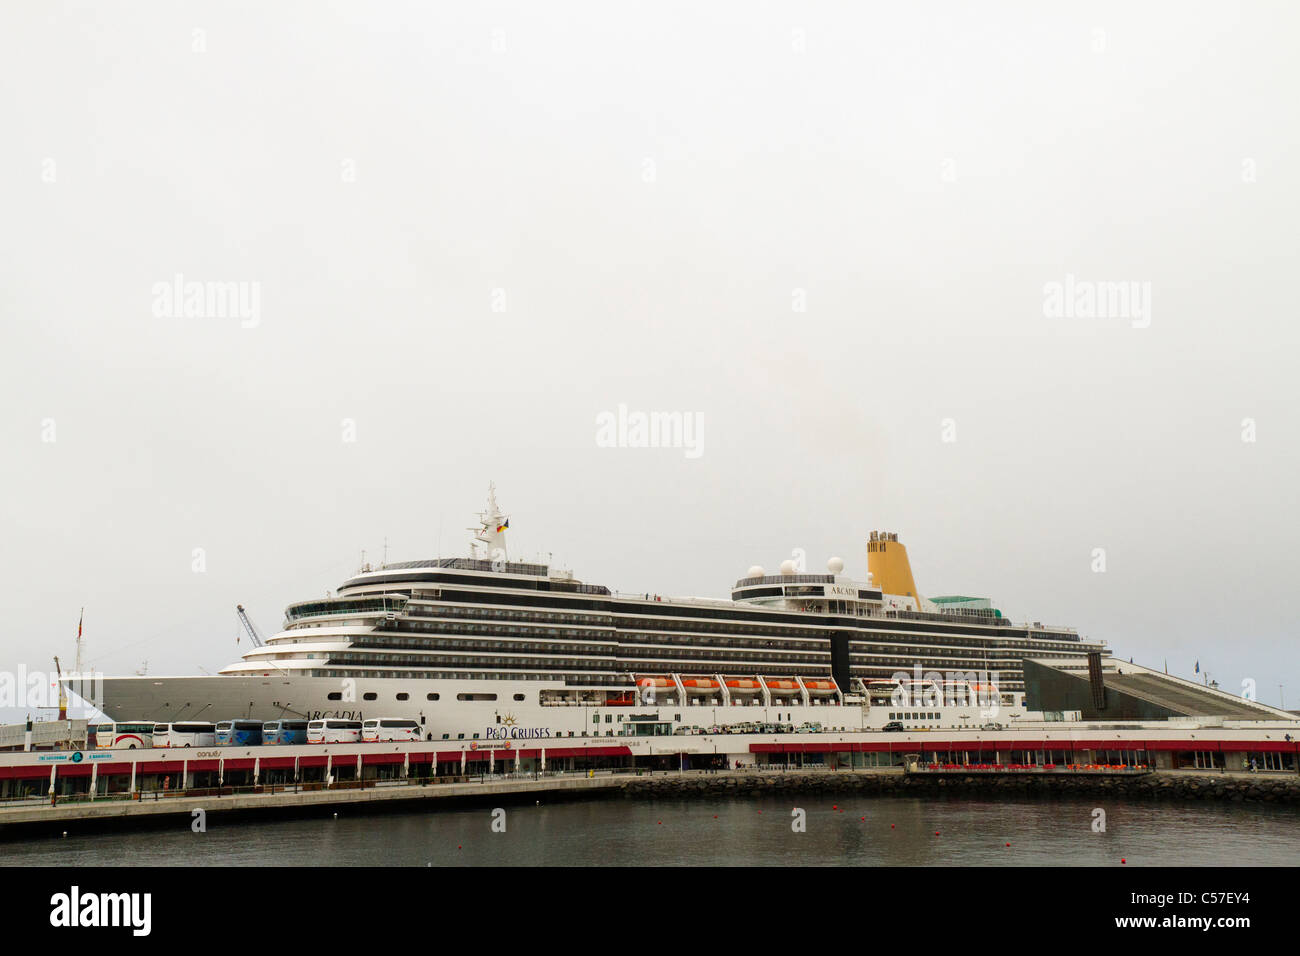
pixel 1107 689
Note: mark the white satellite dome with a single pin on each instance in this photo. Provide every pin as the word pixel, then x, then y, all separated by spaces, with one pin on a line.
pixel 756 571
pixel 787 566
pixel 835 565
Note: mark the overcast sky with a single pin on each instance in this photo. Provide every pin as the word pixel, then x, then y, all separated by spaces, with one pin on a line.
pixel 827 234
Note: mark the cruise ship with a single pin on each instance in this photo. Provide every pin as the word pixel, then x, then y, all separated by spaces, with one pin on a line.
pixel 483 647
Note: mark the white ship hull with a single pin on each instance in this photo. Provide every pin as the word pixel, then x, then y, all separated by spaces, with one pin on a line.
pixel 164 699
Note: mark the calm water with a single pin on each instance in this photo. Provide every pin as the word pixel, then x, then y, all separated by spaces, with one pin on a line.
pixel 897 831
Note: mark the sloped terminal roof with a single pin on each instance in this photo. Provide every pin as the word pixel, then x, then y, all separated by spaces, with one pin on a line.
pixel 1133 691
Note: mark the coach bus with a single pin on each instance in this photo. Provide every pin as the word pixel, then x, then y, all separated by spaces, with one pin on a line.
pixel 123 735
pixel 383 729
pixel 334 730
pixel 239 733
pixel 284 732
pixel 185 733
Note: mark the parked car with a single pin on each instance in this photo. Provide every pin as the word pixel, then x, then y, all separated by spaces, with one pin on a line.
pixel 893 725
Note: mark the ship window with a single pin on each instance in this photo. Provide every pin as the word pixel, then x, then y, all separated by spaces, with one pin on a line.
pixel 403 696
pixel 370 696
pixel 519 696
pixel 336 696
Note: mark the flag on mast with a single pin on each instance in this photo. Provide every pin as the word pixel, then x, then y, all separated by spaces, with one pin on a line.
pixel 80 620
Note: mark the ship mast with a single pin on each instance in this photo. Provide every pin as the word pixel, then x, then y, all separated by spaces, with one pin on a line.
pixel 491 532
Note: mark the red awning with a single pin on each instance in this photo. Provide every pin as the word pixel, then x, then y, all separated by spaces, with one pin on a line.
pixel 158 766
pixel 267 763
pixel 25 773
pixel 370 760
pixel 557 752
pixel 243 763
pixel 109 768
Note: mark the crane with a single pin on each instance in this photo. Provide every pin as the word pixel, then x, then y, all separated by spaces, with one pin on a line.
pixel 248 626
pixel 63 694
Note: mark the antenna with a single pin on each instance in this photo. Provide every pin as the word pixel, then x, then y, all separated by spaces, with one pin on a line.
pixel 80 620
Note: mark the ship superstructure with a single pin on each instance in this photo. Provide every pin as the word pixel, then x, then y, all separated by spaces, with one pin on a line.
pixel 481 646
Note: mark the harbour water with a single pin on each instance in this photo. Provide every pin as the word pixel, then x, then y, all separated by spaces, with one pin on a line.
pixel 848 831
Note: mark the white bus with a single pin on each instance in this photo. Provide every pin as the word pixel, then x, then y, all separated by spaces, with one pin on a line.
pixel 333 730
pixel 185 733
pixel 389 728
pixel 123 735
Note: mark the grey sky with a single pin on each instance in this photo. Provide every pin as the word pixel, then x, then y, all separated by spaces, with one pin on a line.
pixel 651 193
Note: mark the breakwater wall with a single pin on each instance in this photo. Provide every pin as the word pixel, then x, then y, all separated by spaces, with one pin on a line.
pixel 1158 785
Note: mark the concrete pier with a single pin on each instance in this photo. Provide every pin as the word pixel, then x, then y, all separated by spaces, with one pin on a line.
pixel 161 809
pixel 158 809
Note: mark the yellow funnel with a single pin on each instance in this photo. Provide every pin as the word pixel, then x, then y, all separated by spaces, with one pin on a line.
pixel 889 567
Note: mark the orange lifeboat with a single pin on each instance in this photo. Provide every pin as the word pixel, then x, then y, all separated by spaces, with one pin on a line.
pixel 699 683
pixel 782 685
pixel 655 682
pixel 739 684
pixel 819 685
